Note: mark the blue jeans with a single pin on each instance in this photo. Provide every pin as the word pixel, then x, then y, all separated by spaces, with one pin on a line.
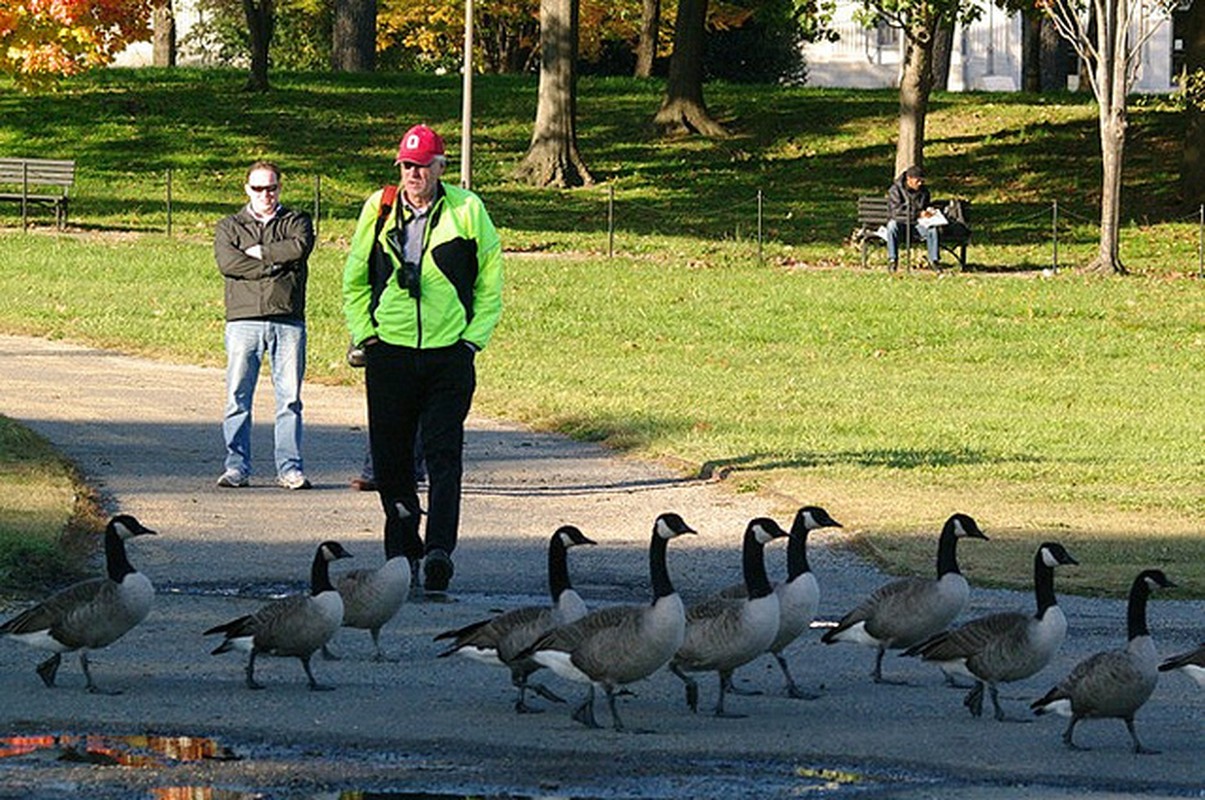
pixel 247 341
pixel 896 232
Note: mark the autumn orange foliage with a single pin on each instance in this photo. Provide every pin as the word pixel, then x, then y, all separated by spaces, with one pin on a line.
pixel 43 40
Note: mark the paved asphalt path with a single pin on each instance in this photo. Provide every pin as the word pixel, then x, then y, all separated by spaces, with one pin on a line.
pixel 146 434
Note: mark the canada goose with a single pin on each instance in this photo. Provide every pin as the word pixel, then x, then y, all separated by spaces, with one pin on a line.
pixel 799 595
pixel 618 645
pixel 372 597
pixel 1112 683
pixel 1004 647
pixel 906 611
pixel 1191 664
pixel 500 639
pixel 90 614
pixel 722 633
pixel 296 625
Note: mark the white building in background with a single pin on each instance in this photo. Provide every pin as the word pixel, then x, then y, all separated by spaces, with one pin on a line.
pixel 139 53
pixel 986 54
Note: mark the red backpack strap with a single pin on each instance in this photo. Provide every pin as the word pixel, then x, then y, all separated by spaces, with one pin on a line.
pixel 388 197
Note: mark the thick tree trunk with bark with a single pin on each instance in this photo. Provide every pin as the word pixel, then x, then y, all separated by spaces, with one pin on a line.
pixel 916 84
pixel 261 20
pixel 943 48
pixel 682 109
pixel 354 36
pixel 552 158
pixel 1192 163
pixel 163 34
pixel 1031 51
pixel 646 47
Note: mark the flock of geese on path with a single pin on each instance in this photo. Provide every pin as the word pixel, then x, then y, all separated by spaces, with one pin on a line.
pixel 612 647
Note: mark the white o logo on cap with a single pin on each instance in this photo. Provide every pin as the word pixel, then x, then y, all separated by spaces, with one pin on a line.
pixel 412 141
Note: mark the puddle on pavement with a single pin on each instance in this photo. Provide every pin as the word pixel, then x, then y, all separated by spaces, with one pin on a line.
pixel 712 779
pixel 125 751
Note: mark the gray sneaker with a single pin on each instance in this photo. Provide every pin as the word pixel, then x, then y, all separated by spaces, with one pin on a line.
pixel 233 479
pixel 294 480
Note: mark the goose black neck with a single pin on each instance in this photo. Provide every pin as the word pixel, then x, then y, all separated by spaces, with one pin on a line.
pixel 1136 609
pixel 320 575
pixel 658 570
pixel 1043 583
pixel 797 554
pixel 117 563
pixel 753 561
pixel 558 568
pixel 947 552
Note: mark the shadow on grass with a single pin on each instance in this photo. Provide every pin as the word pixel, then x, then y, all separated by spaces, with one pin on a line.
pixel 893 458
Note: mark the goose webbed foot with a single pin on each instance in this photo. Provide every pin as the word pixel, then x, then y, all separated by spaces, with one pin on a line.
pixel 315 686
pixel 999 710
pixel 545 692
pixel 1070 741
pixel 49 668
pixel 90 684
pixel 1139 748
pixel 252 683
pixel 584 713
pixel 692 688
pixel 974 700
pixel 521 707
pixel 793 691
pixel 877 673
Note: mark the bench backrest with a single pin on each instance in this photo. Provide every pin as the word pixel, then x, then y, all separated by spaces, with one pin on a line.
pixel 37 172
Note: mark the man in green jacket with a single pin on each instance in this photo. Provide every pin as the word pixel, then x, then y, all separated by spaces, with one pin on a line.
pixel 422 293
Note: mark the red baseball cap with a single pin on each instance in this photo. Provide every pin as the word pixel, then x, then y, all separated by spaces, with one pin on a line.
pixel 420 145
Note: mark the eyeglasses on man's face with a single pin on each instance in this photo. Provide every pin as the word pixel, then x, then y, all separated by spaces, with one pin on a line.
pixel 269 188
pixel 412 166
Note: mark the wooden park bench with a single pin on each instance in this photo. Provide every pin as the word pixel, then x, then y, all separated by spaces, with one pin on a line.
pixel 953 237
pixel 37 181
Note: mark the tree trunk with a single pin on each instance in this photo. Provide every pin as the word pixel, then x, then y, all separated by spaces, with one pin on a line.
pixel 683 110
pixel 354 36
pixel 1192 163
pixel 1057 58
pixel 260 23
pixel 943 47
pixel 916 84
pixel 646 47
pixel 1031 51
pixel 1111 99
pixel 552 158
pixel 163 34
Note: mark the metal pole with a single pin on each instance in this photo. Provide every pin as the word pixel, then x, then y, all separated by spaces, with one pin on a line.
pixel 1054 234
pixel 169 201
pixel 317 203
pixel 759 226
pixel 610 220
pixel 466 102
pixel 24 196
pixel 1201 244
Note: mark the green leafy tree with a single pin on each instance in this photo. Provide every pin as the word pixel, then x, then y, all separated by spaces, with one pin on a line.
pixel 919 21
pixel 1111 48
pixel 42 41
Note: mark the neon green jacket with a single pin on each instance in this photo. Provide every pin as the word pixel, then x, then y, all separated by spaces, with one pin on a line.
pixel 460 297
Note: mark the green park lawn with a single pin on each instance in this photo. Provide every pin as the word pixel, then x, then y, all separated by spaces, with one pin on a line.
pixel 1046 403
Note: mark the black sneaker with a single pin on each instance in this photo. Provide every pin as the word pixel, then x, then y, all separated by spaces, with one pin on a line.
pixel 437 571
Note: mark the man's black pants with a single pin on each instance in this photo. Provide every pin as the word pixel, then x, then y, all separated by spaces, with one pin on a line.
pixel 429 392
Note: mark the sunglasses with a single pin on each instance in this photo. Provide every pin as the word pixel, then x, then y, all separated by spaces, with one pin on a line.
pixel 271 187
